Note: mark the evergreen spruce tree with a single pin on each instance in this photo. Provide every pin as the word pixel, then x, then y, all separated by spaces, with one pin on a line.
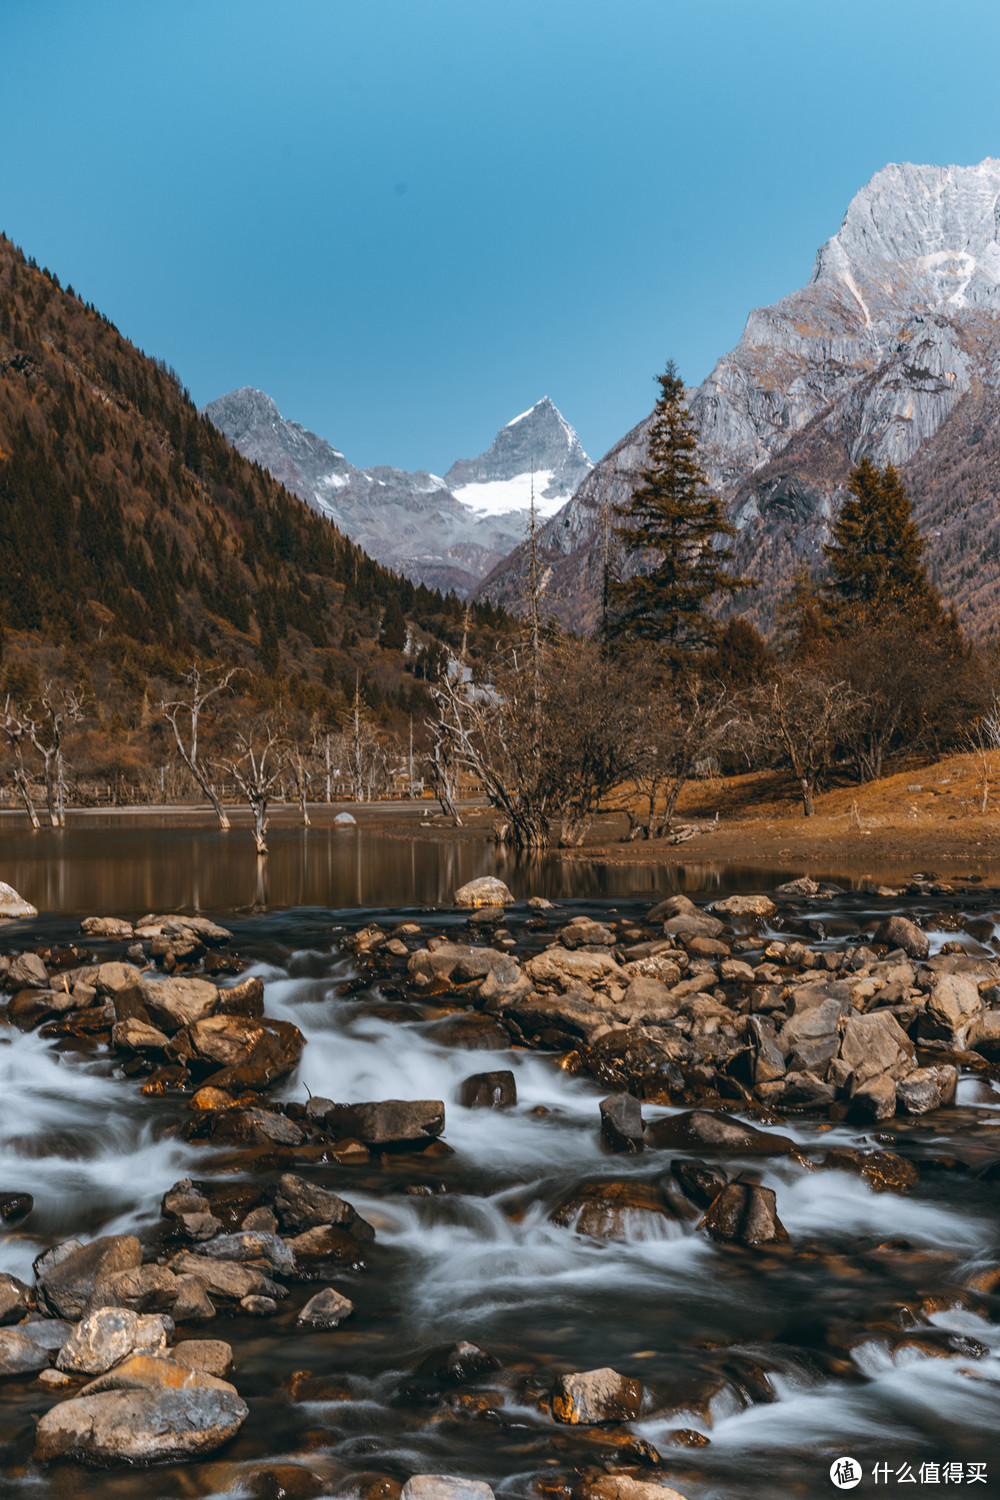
pixel 673 520
pixel 876 554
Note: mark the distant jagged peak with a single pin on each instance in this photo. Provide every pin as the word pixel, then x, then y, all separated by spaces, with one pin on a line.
pixel 499 480
pixel 928 232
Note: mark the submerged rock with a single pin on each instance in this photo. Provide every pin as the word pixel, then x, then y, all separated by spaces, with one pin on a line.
pixel 327 1309
pixel 139 1426
pixel 15 1206
pixel 615 1211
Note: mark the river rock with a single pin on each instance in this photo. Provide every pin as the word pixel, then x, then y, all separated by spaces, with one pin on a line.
pixel 144 1372
pixel 105 1337
pixel 873 1044
pixel 444 1487
pixel 639 1061
pixel 70 1286
pixel 900 932
pixel 615 1211
pixel 258 1306
pixel 584 930
pixel 621 1122
pixel 19 1354
pixel 702 1183
pixel 304 1205
pixel 191 1210
pixel 804 886
pixel 224 1280
pixel 984 1035
pixel 193 1303
pixel 134 1035
pixel 496 1090
pixel 12 905
pixel 926 1089
pixel 148 1289
pixel 345 820
pixel 14 1207
pixel 251 1052
pixel 252 1246
pixel 745 906
pixel 454 961
pixel 883 1171
pixel 139 1426
pixel 26 972
pixel 327 1309
pixel 107 927
pixel 246 999
pixel 557 1020
pixel 672 906
pixel 875 1099
pixel 209 932
pixel 625 1487
pixel 699 1130
pixel 745 1214
pixel 693 924
pixel 559 969
pixel 460 1362
pixel 596 1396
pixel 386 1122
pixel 649 1001
pixel 173 1003
pixel 810 1038
pixel 323 1250
pixel 213 1356
pixel 486 891
pixel 953 1005
pixel 16 1299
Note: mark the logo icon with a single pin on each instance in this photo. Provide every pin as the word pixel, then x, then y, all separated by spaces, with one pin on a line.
pixel 845 1473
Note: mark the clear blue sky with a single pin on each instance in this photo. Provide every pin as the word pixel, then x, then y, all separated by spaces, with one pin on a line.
pixel 409 219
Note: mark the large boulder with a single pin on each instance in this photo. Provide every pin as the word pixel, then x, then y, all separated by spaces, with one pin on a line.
pixel 385 1122
pixel 596 1396
pixel 444 1487
pixel 12 905
pixel 71 1285
pixel 953 1005
pixel 874 1044
pixel 173 1003
pixel 486 891
pixel 701 1130
pixel 250 1052
pixel 139 1426
pixel 20 1354
pixel 107 1336
pixel 745 1214
pixel 561 969
pixel 745 906
pixel 304 1205
pixel 900 932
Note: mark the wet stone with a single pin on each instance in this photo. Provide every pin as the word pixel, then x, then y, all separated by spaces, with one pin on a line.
pixel 615 1211
pixel 699 1130
pixel 621 1123
pixel 19 1354
pixel 883 1171
pixel 745 1214
pixel 445 1487
pixel 459 1362
pixel 16 1299
pixel 139 1426
pixel 14 1207
pixel 595 1396
pixel 327 1309
pixel 496 1090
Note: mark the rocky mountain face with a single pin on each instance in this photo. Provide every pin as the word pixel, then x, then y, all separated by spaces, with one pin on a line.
pixel 891 351
pixel 448 533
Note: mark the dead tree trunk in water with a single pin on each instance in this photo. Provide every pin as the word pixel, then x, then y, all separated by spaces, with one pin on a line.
pixel 189 710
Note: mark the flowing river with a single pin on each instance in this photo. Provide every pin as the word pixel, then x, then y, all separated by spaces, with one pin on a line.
pixel 466 1248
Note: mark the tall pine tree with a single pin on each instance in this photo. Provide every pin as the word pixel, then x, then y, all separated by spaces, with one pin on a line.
pixel 675 524
pixel 876 552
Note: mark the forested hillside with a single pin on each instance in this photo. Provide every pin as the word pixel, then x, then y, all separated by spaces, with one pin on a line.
pixel 134 539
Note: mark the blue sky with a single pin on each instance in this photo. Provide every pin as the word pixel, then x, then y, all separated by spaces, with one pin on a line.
pixel 409 219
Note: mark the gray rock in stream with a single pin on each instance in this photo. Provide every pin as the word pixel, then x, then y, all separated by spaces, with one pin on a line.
pixel 139 1426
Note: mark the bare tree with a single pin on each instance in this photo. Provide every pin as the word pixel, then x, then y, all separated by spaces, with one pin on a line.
pixel 184 717
pixel 299 763
pixel 257 768
pixel 801 719
pixel 16 729
pixel 982 740
pixel 684 723
pixel 53 711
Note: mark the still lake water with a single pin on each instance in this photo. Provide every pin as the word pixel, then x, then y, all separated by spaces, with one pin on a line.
pixel 782 1376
